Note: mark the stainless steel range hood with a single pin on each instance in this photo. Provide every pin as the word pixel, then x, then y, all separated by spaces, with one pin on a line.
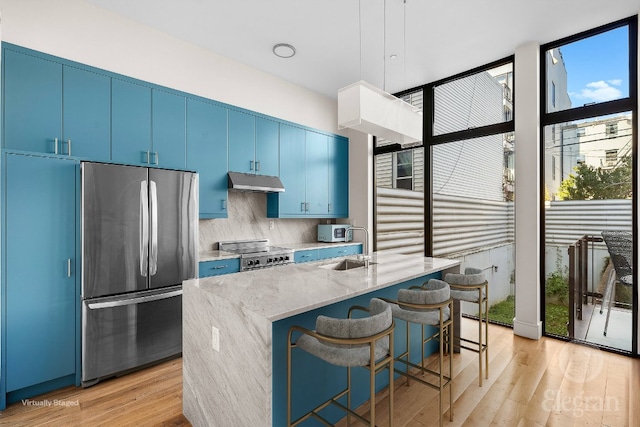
pixel 249 182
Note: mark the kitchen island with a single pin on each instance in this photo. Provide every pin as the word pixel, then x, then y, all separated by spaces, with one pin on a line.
pixel 235 330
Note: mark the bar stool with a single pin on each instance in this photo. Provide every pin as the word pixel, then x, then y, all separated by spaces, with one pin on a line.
pixel 365 342
pixel 429 305
pixel 472 287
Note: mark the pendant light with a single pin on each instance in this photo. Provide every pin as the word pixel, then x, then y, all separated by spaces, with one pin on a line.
pixel 369 109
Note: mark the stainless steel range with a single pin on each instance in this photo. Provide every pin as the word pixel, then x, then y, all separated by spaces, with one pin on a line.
pixel 257 253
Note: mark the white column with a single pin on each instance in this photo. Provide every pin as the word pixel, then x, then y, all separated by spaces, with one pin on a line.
pixel 361 183
pixel 527 322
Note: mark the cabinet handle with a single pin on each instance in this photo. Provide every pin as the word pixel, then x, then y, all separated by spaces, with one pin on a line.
pixel 55 145
pixel 250 165
pixel 220 267
pixel 306 256
pixel 148 157
pixel 258 165
pixel 224 204
pixel 68 267
pixel 302 207
pixel 329 208
pixel 342 251
pixel 306 207
pixel 156 158
pixel 69 147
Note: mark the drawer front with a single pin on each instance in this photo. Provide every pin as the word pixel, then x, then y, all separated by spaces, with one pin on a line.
pixel 216 268
pixel 340 251
pixel 305 256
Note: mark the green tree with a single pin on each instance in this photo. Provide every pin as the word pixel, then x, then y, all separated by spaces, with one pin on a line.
pixel 590 183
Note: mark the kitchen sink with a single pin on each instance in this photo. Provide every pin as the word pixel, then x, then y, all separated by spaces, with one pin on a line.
pixel 346 264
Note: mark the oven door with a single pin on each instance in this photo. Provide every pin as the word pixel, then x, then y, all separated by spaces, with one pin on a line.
pixel 127 331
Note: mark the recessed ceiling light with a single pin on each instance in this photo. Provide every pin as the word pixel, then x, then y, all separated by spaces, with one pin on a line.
pixel 284 50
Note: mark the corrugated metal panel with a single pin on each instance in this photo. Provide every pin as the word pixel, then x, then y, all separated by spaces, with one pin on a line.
pixel 462 225
pixel 399 221
pixel 468 102
pixel 471 168
pixel 567 221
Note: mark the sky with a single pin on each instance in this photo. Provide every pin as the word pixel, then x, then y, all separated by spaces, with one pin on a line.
pixel 598 67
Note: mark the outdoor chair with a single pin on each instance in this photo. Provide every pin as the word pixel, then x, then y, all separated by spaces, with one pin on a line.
pixel 620 246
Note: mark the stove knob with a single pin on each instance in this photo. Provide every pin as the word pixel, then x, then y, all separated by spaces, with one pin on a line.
pixel 269 261
pixel 286 258
pixel 249 263
pixel 257 262
pixel 281 259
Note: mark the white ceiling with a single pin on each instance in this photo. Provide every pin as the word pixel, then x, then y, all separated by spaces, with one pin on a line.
pixel 341 41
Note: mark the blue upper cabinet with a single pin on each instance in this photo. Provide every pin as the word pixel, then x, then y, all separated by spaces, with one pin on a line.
pixel 253 144
pixel 168 130
pixel 267 147
pixel 291 203
pixel 86 114
pixel 130 123
pixel 42 294
pixel 338 177
pixel 317 174
pixel 207 155
pixel 54 108
pixel 242 142
pixel 32 90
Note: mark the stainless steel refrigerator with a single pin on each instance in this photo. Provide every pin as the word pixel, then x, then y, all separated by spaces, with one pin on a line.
pixel 139 242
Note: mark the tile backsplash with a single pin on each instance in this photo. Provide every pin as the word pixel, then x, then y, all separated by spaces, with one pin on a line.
pixel 248 220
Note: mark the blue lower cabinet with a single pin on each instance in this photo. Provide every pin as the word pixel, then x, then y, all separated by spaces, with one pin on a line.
pixel 340 251
pixel 305 256
pixel 216 268
pixel 41 287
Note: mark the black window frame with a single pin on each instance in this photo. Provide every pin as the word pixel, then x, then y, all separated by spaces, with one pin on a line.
pixel 588 111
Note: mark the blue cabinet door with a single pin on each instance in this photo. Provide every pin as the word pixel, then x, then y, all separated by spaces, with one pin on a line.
pixel 32 103
pixel 242 142
pixel 267 147
pixel 207 155
pixel 305 256
pixel 292 172
pixel 217 268
pixel 40 270
pixel 338 177
pixel 86 114
pixel 130 123
pixel 317 178
pixel 168 130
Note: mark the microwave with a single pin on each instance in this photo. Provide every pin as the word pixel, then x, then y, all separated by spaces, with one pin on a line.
pixel 334 233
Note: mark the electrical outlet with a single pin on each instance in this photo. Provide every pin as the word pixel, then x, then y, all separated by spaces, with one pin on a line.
pixel 215 338
pixel 272 225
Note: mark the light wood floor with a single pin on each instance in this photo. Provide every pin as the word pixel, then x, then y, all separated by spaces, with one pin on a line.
pixel 531 383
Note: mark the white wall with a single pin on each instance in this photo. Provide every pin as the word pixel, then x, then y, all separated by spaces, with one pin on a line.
pixel 76 30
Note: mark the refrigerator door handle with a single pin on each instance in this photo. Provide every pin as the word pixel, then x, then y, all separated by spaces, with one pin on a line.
pixel 132 301
pixel 144 228
pixel 153 257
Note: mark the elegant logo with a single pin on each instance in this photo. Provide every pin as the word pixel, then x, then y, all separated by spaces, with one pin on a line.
pixel 579 364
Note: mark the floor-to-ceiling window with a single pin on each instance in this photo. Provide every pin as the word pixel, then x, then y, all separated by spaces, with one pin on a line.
pixel 472 144
pixel 399 186
pixel 589 117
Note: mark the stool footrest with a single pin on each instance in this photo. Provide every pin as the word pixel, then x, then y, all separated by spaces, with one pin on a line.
pixel 420 380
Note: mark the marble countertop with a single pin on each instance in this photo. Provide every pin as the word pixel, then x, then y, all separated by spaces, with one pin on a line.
pixel 220 255
pixel 216 255
pixel 280 292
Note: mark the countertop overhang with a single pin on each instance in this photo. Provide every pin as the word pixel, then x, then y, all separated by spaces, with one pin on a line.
pixel 281 292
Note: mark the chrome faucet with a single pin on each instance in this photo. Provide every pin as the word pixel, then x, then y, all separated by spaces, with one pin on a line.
pixel 365 256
